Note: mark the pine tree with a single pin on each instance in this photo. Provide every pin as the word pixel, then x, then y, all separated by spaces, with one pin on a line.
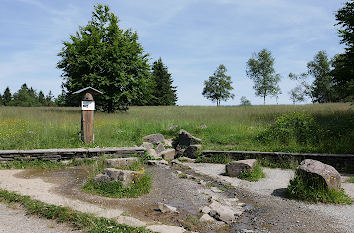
pixel 7 97
pixel 164 93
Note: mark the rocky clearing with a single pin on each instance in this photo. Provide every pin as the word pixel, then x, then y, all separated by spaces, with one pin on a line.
pixel 266 209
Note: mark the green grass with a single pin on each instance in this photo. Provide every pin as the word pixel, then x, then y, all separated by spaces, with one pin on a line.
pixel 117 189
pixel 254 175
pixel 229 128
pixel 313 189
pixel 350 180
pixel 223 159
pixel 32 164
pixel 285 163
pixel 79 220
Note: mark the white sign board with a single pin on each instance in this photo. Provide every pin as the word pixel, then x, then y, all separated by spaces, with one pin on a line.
pixel 87 105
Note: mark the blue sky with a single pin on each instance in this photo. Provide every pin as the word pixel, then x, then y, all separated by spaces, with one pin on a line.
pixel 193 37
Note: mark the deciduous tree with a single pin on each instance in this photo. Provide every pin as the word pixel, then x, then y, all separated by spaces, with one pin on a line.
pixel 218 87
pixel 260 68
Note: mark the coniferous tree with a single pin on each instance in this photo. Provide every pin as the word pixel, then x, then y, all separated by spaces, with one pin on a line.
pixel 7 97
pixel 164 92
pixel 41 98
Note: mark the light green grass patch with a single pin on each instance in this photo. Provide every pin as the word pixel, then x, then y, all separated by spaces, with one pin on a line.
pixel 253 175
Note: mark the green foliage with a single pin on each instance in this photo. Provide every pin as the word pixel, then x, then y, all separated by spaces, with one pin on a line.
pixel 223 159
pixel 297 94
pixel 38 163
pixel 292 127
pixel 7 97
pixel 164 93
pixel 107 58
pixel 284 163
pixel 260 68
pixel 79 220
pixel 350 180
pixel 254 175
pixel 245 101
pixel 117 189
pixel 319 69
pixel 218 87
pixel 313 189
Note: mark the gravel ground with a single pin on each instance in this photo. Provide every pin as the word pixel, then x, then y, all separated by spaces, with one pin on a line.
pixel 14 219
pixel 277 213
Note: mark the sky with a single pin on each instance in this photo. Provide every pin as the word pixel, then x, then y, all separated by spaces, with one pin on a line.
pixel 192 37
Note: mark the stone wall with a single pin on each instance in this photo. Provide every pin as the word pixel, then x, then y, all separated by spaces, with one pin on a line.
pixel 63 154
pixel 342 162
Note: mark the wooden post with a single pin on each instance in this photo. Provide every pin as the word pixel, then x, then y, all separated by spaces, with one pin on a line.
pixel 87 119
pixel 87 111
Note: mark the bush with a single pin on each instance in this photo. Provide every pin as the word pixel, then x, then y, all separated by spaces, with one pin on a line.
pixel 313 189
pixel 254 175
pixel 296 126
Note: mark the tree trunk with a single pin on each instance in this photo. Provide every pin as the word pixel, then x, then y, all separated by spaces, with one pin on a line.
pixel 264 99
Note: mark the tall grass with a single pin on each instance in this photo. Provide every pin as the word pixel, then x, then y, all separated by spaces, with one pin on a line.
pixel 229 128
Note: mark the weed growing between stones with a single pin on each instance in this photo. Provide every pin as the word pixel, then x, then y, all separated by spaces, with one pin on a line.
pixel 117 189
pixel 223 159
pixel 313 189
pixel 79 220
pixel 350 180
pixel 254 175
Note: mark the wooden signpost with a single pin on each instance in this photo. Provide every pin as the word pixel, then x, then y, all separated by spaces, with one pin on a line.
pixel 87 111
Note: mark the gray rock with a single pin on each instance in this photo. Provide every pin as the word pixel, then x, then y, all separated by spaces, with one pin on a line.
pixel 160 148
pixel 147 145
pixel 191 151
pixel 175 161
pixel 125 176
pixel 168 142
pixel 313 168
pixel 152 153
pixel 154 138
pixel 206 218
pixel 166 208
pixel 185 159
pixel 222 212
pixel 121 162
pixel 165 229
pixel 158 162
pixel 173 128
pixel 102 178
pixel 235 168
pixel 168 154
pixel 203 126
pixel 216 190
pixel 186 139
pixel 205 210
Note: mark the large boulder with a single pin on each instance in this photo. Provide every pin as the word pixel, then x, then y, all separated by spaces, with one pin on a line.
pixel 102 178
pixel 235 168
pixel 191 151
pixel 121 162
pixel 186 139
pixel 125 176
pixel 168 154
pixel 154 138
pixel 316 169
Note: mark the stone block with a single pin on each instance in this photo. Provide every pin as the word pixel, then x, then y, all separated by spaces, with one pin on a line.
pixel 124 176
pixel 154 138
pixel 186 139
pixel 168 154
pixel 235 168
pixel 160 148
pixel 121 162
pixel 191 151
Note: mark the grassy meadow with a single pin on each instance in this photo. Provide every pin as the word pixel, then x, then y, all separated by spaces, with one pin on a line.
pixel 228 128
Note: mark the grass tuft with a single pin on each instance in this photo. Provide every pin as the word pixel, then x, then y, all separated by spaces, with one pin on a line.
pixel 313 189
pixel 38 163
pixel 254 175
pixel 79 220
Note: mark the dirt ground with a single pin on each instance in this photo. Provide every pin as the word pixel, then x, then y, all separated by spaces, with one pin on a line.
pixel 267 210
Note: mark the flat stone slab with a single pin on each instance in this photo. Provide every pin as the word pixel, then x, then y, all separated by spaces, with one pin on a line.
pixel 165 229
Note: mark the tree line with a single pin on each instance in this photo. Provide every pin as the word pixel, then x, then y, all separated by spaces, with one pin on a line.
pixel 27 97
pixel 333 78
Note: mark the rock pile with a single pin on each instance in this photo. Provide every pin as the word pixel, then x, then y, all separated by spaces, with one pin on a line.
pixel 187 145
pixel 158 147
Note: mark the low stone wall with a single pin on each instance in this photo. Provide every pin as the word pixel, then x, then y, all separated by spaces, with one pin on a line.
pixel 63 154
pixel 342 162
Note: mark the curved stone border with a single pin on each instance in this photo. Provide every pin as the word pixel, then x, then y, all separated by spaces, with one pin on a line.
pixel 62 154
pixel 342 162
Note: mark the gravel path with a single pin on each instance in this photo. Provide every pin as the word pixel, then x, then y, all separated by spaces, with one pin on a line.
pixel 285 215
pixel 16 220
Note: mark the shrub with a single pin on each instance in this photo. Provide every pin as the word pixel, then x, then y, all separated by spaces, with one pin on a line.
pixel 296 126
pixel 254 175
